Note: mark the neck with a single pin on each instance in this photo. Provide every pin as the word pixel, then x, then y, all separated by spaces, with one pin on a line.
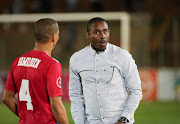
pixel 98 50
pixel 45 47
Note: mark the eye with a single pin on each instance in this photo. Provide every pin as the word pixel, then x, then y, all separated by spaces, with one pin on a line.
pixel 96 32
pixel 105 31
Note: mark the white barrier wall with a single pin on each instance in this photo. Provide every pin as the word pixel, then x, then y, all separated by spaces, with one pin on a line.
pixel 1 88
pixel 166 84
pixel 160 84
pixel 157 84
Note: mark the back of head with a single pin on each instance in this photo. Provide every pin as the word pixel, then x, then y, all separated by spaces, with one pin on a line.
pixel 92 21
pixel 44 29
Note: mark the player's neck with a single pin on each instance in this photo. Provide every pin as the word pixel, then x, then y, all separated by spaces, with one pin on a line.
pixel 43 47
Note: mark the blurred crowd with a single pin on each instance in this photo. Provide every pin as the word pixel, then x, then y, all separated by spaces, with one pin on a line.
pixel 48 6
pixel 56 6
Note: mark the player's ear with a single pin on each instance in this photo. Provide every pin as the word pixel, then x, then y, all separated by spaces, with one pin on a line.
pixel 88 35
pixel 53 38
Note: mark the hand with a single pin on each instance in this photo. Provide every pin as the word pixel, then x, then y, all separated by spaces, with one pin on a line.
pixel 120 122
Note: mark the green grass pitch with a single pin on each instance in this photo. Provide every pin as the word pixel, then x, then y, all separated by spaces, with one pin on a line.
pixel 147 113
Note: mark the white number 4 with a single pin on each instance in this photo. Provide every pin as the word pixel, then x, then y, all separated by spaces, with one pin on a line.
pixel 24 94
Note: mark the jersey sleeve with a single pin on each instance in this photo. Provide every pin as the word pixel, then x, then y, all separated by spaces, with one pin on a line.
pixel 54 75
pixel 10 84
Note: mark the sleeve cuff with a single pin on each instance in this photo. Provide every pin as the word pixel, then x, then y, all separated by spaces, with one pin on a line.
pixel 127 115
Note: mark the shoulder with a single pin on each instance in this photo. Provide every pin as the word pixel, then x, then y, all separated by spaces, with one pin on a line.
pixel 53 60
pixel 113 48
pixel 119 53
pixel 51 66
pixel 52 63
pixel 79 54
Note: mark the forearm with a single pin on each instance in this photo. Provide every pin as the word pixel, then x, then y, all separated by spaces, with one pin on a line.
pixel 12 105
pixel 10 101
pixel 135 94
pixel 132 103
pixel 59 112
pixel 77 112
pixel 77 99
pixel 77 105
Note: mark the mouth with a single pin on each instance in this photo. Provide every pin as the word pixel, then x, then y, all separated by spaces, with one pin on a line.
pixel 103 42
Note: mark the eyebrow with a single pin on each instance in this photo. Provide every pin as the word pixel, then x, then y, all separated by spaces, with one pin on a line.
pixel 102 30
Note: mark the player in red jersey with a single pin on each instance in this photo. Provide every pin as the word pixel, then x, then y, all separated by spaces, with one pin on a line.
pixel 36 78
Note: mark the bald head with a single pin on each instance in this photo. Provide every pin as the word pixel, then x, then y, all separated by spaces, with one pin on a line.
pixel 45 29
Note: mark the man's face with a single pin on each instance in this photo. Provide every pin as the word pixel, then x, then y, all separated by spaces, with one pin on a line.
pixel 98 35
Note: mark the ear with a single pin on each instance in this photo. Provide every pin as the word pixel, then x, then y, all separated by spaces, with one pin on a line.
pixel 88 35
pixel 53 38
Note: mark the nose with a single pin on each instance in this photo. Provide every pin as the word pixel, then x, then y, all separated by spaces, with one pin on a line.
pixel 102 35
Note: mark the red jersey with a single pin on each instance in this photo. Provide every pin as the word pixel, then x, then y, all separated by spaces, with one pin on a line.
pixel 35 77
